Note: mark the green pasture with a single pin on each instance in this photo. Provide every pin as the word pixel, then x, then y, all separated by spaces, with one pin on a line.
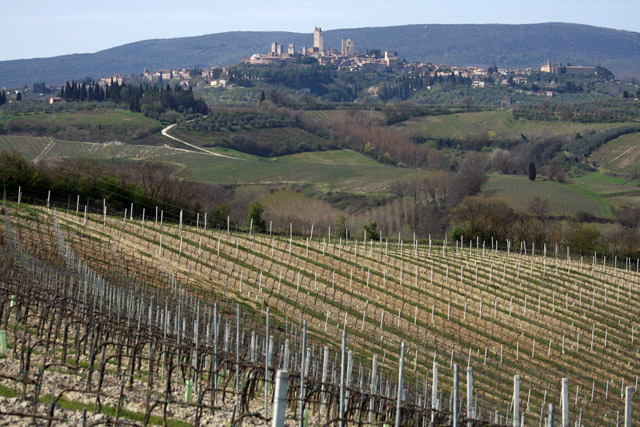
pixel 324 115
pixel 334 170
pixel 331 170
pixel 564 199
pixel 86 125
pixel 501 124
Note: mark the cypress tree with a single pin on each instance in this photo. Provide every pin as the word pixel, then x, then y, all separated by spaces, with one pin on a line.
pixel 67 91
pixel 532 171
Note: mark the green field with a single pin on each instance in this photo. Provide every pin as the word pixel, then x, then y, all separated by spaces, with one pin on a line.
pixel 611 191
pixel 331 157
pixel 595 193
pixel 340 170
pixel 270 140
pixel 331 170
pixel 324 115
pixel 620 155
pixel 479 124
pixel 564 199
pixel 87 125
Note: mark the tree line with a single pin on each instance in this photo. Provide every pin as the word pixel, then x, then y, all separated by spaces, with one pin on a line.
pixel 150 100
pixel 486 218
pixel 146 184
pixel 407 84
pixel 602 111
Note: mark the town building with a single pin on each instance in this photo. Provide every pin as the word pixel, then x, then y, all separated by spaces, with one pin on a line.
pixel 219 83
pixel 117 79
pixel 347 47
pixel 391 59
pixel 318 41
pixel 276 49
pixel 566 69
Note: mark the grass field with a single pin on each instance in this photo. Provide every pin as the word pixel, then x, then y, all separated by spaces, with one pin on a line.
pixel 479 124
pixel 331 170
pixel 270 141
pixel 324 115
pixel 620 155
pixel 610 190
pixel 595 193
pixel 87 125
pixel 331 157
pixel 564 199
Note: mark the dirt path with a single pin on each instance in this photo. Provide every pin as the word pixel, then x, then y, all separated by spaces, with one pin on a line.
pixel 45 151
pixel 165 133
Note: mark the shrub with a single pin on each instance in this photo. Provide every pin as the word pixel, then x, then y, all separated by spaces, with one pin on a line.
pixel 584 238
pixel 372 231
pixel 255 214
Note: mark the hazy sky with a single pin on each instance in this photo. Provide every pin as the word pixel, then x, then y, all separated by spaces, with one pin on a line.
pixel 41 28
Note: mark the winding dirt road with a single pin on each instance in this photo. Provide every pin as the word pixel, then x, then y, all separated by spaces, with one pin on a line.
pixel 200 149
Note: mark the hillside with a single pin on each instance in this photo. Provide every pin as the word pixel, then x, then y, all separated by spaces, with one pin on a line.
pixel 483 44
pixel 501 312
pixel 620 155
pixel 465 126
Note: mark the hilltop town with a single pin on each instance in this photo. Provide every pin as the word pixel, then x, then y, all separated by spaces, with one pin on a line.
pixel 350 59
pixel 354 74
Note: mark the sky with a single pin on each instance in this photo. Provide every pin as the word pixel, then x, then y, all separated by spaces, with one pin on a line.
pixel 43 28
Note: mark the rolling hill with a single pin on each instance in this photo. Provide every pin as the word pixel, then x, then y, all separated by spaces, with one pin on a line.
pixel 472 44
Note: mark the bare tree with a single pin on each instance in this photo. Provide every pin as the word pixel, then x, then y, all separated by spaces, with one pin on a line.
pixel 539 207
pixel 470 178
pixel 485 217
pixel 436 187
pixel 501 160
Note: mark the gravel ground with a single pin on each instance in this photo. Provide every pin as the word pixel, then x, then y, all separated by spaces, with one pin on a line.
pixel 135 401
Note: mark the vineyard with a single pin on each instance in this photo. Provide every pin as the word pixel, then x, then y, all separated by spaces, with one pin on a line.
pixel 145 318
pixel 621 154
pixel 42 148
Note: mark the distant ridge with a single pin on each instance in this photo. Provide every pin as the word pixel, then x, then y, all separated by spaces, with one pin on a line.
pixel 526 45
